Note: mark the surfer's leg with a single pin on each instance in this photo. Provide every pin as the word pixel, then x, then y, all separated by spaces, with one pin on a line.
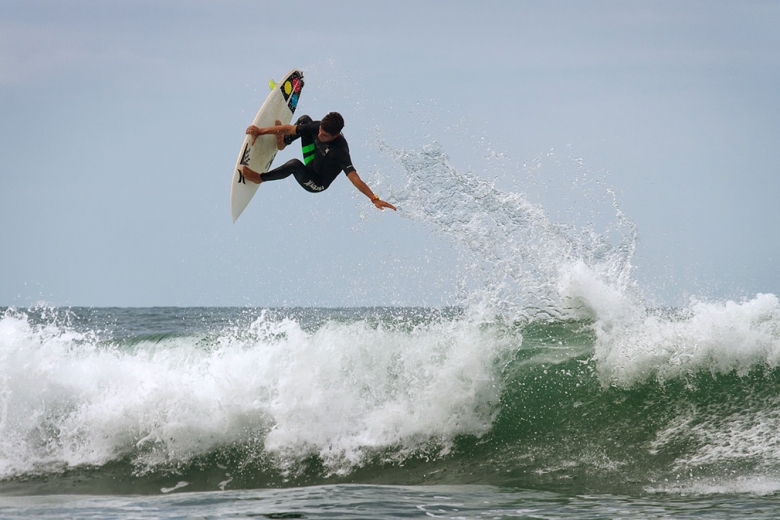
pixel 302 174
pixel 307 142
pixel 288 139
pixel 283 171
pixel 307 181
pixel 294 167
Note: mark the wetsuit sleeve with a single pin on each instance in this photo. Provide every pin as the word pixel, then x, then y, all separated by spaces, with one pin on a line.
pixel 346 163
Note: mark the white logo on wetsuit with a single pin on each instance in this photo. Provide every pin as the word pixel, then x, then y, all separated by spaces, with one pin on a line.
pixel 313 186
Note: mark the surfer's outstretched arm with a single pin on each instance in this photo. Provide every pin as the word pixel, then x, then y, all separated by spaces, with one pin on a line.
pixel 254 131
pixel 365 190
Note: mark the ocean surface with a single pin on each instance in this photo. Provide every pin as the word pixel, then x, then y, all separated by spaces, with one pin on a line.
pixel 550 388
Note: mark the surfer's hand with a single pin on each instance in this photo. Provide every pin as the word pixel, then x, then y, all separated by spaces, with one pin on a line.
pixel 379 203
pixel 254 132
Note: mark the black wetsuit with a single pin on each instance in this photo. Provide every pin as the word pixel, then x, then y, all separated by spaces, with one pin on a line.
pixel 322 162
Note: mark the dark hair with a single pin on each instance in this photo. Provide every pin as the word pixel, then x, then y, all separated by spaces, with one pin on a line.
pixel 332 123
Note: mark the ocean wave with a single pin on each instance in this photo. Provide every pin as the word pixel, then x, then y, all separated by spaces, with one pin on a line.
pixel 337 392
pixel 384 396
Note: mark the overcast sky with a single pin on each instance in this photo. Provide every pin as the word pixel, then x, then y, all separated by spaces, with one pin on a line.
pixel 120 123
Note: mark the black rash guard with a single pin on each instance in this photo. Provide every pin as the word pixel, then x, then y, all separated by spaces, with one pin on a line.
pixel 323 160
pixel 330 158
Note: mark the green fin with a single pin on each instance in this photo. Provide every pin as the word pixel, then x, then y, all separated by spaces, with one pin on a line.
pixel 272 83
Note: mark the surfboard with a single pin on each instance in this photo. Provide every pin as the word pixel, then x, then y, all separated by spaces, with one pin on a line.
pixel 280 104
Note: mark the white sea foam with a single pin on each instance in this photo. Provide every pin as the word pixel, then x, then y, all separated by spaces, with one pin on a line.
pixel 339 392
pixel 635 344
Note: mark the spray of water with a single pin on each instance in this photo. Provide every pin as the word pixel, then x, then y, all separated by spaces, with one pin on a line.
pixel 520 263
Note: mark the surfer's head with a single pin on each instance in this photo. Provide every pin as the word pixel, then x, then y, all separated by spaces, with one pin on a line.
pixel 331 125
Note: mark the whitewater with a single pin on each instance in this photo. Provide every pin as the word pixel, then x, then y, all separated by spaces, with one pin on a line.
pixel 551 387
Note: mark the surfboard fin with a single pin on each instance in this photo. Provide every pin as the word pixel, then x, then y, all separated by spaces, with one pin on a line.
pixel 272 83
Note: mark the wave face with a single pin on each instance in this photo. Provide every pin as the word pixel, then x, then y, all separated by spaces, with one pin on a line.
pixel 268 393
pixel 549 372
pixel 217 398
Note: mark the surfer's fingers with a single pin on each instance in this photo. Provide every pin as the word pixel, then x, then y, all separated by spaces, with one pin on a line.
pixel 379 203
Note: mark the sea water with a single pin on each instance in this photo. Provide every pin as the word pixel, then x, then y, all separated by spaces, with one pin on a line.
pixel 549 389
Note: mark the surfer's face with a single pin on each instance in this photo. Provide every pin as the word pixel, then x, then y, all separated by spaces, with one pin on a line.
pixel 325 136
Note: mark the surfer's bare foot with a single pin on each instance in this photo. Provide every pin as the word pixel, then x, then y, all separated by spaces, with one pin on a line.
pixel 251 175
pixel 280 144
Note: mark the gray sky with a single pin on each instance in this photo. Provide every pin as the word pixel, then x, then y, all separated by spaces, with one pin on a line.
pixel 120 123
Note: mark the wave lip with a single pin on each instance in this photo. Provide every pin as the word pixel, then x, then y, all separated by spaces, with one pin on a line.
pixel 716 337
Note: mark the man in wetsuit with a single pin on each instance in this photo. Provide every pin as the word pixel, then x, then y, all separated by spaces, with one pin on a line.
pixel 325 155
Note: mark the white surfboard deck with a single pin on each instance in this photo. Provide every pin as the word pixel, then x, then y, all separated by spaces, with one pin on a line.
pixel 280 104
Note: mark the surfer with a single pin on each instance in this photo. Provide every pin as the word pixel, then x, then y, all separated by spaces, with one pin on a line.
pixel 325 155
